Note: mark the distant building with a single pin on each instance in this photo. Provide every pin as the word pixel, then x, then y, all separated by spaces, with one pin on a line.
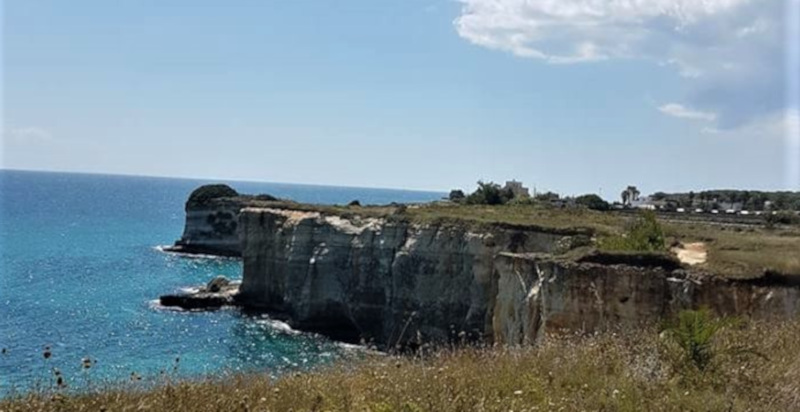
pixel 731 207
pixel 643 203
pixel 517 188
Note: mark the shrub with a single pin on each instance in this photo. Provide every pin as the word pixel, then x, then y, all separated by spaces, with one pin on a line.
pixel 593 202
pixel 643 235
pixel 694 332
pixel 489 194
pixel 781 218
pixel 203 194
pixel 456 195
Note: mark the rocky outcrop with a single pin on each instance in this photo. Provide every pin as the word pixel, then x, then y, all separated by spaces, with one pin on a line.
pixel 385 280
pixel 217 293
pixel 538 295
pixel 212 221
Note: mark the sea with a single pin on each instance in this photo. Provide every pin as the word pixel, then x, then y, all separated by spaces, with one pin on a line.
pixel 81 272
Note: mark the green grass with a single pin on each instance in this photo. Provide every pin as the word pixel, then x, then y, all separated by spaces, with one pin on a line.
pixel 639 370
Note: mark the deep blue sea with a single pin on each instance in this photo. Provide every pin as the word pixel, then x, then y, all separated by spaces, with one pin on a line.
pixel 80 272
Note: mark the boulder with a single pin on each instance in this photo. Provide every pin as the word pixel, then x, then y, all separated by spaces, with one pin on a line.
pixel 216 284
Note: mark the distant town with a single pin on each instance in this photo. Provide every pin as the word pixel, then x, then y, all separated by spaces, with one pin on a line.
pixel 730 202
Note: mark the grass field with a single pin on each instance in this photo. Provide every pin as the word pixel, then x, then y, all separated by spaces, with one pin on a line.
pixel 754 367
pixel 743 252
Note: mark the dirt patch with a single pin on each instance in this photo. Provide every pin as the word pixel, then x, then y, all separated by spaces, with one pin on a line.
pixel 691 253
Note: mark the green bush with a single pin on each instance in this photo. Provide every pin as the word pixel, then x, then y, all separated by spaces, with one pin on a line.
pixel 781 218
pixel 693 331
pixel 593 202
pixel 456 195
pixel 203 194
pixel 489 194
pixel 644 234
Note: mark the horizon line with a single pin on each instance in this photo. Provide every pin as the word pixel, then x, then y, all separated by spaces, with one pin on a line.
pixel 218 179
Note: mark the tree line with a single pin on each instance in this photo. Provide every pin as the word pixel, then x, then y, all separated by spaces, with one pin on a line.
pixel 720 199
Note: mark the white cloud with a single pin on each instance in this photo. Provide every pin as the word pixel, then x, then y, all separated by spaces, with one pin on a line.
pixel 28 134
pixel 678 110
pixel 729 52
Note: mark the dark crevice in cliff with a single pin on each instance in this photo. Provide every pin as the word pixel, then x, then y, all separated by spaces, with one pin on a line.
pixel 772 278
pixel 641 260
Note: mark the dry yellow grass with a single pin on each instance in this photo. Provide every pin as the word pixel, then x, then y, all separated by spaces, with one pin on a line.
pixel 626 372
pixel 743 252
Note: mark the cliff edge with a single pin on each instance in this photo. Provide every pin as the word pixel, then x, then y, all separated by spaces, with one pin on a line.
pixel 410 275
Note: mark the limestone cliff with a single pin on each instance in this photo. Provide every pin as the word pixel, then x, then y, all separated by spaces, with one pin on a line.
pixel 539 295
pixel 212 221
pixel 394 277
pixel 385 280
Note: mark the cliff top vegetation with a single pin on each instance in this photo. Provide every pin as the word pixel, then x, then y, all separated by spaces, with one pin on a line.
pixel 733 250
pixel 203 194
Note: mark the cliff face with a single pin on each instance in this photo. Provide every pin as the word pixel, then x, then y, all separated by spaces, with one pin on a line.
pixel 384 280
pixel 537 296
pixel 389 280
pixel 212 228
pixel 212 221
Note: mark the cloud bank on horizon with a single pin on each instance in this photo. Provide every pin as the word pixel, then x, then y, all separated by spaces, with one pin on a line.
pixel 738 58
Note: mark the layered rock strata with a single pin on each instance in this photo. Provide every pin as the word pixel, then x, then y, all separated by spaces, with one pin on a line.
pixel 378 279
pixel 539 295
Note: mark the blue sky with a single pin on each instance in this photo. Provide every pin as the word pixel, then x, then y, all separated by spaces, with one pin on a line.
pixel 574 96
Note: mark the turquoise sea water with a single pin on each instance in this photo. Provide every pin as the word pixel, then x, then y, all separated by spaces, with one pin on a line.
pixel 79 272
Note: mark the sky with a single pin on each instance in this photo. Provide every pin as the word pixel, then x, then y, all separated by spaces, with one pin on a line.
pixel 573 96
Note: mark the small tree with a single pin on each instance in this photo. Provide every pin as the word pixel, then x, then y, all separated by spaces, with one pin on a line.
pixel 489 194
pixel 694 331
pixel 593 202
pixel 643 235
pixel 630 194
pixel 547 197
pixel 456 195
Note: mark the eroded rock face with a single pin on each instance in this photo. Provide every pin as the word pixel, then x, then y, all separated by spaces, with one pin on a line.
pixel 390 282
pixel 539 295
pixel 212 221
pixel 211 229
